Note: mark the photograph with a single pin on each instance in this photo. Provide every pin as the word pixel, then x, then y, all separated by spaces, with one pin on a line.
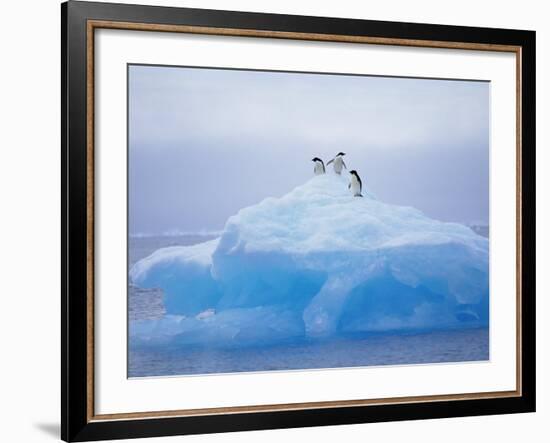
pixel 229 221
pixel 283 220
pixel 297 218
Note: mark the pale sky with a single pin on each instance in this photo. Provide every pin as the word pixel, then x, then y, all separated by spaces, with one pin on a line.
pixel 204 143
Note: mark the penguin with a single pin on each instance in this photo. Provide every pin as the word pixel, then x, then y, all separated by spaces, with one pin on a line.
pixel 355 184
pixel 319 167
pixel 338 163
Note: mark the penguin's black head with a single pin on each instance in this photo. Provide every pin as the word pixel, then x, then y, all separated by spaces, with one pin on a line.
pixel 354 172
pixel 316 159
pixel 341 154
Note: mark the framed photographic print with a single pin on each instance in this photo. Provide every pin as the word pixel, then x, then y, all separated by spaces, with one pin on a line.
pixel 276 221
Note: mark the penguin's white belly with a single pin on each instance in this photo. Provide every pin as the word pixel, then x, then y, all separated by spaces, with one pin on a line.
pixel 318 169
pixel 338 165
pixel 355 186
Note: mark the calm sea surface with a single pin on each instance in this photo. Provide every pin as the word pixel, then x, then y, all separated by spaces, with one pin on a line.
pixel 351 351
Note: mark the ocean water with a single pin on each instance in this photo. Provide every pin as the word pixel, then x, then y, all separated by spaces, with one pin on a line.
pixel 354 350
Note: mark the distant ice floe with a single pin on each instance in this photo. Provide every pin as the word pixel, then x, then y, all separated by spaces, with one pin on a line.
pixel 178 233
pixel 318 262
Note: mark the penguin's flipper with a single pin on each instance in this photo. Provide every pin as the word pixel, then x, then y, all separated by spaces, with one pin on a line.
pixel 330 162
pixel 349 186
pixel 344 164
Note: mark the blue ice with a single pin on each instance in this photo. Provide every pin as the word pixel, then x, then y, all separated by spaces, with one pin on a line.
pixel 318 262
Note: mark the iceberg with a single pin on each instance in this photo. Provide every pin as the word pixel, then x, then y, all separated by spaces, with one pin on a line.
pixel 318 262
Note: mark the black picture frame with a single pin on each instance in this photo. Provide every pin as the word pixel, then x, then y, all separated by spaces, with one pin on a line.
pixel 76 422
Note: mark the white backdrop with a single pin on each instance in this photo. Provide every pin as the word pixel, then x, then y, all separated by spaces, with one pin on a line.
pixel 29 183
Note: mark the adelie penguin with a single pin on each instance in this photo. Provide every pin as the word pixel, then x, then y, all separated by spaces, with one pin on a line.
pixel 319 167
pixel 338 163
pixel 355 184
